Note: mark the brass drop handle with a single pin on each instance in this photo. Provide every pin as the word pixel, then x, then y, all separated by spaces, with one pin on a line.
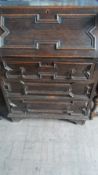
pixel 88 90
pixel 70 93
pixel 12 104
pixel 88 74
pixel 22 70
pixel 6 67
pixel 24 87
pixel 72 73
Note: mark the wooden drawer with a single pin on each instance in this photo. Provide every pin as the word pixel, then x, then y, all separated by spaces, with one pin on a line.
pixel 24 88
pixel 49 32
pixel 47 104
pixel 54 70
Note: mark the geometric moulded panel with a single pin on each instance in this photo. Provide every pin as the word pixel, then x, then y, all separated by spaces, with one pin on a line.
pixel 61 32
pixel 3 31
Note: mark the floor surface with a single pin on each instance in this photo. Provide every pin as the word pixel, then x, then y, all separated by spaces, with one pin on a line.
pixel 48 147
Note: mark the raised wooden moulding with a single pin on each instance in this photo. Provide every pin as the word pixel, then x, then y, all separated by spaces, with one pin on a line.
pixel 48 61
pixel 56 32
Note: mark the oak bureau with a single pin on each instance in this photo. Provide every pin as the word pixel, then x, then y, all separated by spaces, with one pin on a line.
pixel 49 59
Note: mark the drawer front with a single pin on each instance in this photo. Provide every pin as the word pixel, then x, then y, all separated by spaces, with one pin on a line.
pixel 53 32
pixel 48 70
pixel 24 88
pixel 48 105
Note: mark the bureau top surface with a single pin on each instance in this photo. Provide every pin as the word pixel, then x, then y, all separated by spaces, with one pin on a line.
pixel 49 2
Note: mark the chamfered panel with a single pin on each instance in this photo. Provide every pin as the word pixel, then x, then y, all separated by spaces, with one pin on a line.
pixel 49 33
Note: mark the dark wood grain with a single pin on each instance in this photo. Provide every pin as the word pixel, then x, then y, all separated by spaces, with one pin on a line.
pixel 49 32
pixel 48 61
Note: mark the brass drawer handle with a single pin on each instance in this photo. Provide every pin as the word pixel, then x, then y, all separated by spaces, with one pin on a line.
pixel 6 67
pixel 88 73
